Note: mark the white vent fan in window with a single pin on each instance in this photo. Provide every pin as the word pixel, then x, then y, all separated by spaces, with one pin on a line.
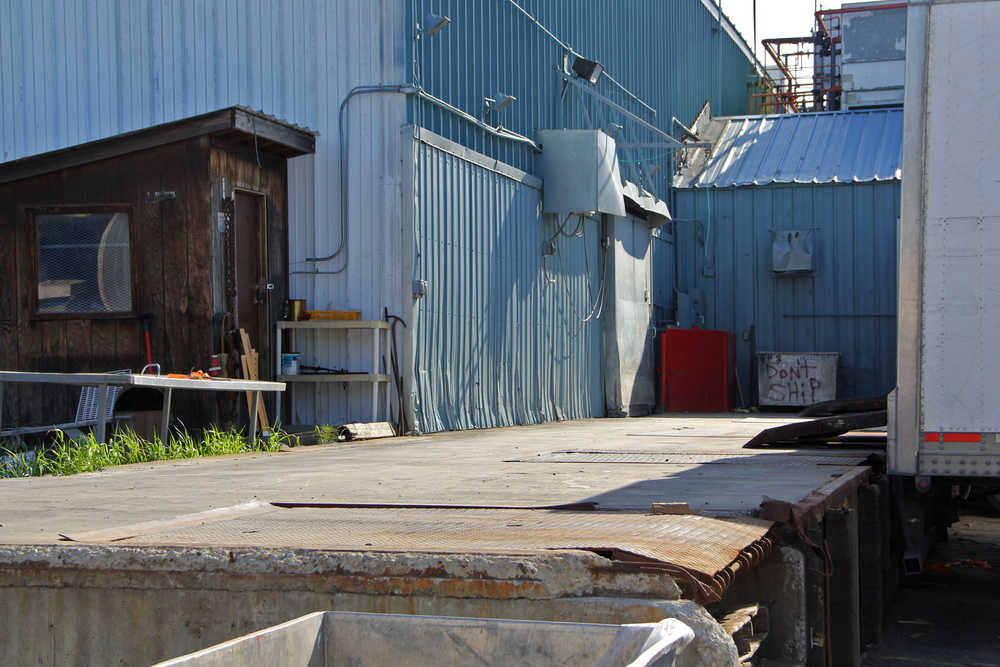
pixel 114 271
pixel 792 252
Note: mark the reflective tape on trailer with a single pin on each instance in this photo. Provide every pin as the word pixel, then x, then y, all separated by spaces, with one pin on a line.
pixel 933 436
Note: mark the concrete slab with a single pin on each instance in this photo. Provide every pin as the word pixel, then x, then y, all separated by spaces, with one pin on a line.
pixel 198 595
pixel 460 468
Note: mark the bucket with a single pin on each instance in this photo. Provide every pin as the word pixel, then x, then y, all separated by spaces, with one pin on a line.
pixel 295 309
pixel 290 363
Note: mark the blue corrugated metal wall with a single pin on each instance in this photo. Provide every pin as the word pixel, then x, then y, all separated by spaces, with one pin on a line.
pixel 671 54
pixel 499 338
pixel 847 304
pixel 72 70
pixel 504 344
pixel 499 334
pixel 662 242
pixel 110 66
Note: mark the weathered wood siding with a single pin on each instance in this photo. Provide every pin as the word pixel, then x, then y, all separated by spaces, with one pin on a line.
pixel 238 165
pixel 171 244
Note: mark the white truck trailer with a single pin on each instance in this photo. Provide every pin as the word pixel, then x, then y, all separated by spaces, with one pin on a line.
pixel 944 415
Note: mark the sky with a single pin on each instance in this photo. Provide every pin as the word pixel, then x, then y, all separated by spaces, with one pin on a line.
pixel 775 18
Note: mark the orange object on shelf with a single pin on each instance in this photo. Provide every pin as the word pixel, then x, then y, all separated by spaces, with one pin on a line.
pixel 333 315
pixel 194 375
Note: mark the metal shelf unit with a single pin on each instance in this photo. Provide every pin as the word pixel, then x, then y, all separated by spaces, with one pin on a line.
pixel 377 327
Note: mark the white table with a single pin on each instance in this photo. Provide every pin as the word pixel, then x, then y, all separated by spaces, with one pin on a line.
pixel 161 382
pixel 378 328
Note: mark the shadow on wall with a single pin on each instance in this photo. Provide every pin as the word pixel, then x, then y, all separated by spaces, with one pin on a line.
pixel 629 349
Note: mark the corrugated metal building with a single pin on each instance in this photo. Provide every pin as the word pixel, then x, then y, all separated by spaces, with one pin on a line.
pixel 410 208
pixel 835 179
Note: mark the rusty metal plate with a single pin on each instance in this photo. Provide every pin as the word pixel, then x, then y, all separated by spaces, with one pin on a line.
pixel 703 551
pixel 673 458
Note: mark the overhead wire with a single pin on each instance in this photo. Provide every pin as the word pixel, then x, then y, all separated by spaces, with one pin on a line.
pixel 566 47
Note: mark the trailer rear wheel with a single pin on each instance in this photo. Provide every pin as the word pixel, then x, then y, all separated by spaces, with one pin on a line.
pixel 994 501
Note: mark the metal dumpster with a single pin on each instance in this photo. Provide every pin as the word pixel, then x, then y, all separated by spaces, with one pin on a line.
pixel 335 638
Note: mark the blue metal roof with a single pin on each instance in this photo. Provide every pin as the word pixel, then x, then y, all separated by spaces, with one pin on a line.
pixel 833 147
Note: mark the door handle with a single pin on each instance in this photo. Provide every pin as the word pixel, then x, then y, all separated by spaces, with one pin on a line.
pixel 262 290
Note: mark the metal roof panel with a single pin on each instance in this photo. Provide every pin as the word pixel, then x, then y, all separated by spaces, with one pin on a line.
pixel 839 146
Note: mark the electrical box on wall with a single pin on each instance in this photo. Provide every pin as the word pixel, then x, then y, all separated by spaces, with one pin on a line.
pixel 579 169
pixel 792 252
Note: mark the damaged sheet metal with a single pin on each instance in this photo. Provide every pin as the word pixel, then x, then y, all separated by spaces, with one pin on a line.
pixel 702 554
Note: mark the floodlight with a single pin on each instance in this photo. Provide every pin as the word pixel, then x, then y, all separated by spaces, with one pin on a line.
pixel 435 24
pixel 499 103
pixel 590 70
pixel 503 101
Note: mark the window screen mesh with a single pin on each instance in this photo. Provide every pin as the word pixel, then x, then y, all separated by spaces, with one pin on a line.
pixel 83 263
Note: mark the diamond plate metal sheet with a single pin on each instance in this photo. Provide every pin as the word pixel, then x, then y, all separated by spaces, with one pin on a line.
pixel 703 550
pixel 671 458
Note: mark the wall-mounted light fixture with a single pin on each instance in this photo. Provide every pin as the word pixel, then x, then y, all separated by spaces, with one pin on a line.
pixel 589 70
pixel 433 24
pixel 498 103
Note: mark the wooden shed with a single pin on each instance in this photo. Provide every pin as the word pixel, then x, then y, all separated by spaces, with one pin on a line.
pixel 181 227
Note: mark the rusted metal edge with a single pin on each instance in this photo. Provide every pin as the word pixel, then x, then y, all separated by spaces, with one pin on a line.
pixel 706 590
pixel 807 512
pixel 702 587
pixel 543 575
pixel 694 585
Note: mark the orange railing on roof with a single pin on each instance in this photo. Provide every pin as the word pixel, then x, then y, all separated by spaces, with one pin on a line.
pixel 804 88
pixel 795 99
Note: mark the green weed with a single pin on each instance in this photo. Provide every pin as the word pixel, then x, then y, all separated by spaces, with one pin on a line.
pixel 67 456
pixel 325 434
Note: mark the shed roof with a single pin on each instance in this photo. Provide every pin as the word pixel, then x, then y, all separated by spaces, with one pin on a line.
pixel 830 147
pixel 267 133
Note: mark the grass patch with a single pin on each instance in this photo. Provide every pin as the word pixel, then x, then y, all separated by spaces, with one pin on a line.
pixel 68 456
pixel 326 434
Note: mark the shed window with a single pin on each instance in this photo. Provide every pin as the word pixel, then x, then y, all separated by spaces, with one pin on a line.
pixel 84 262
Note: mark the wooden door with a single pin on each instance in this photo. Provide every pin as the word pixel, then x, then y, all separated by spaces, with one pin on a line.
pixel 251 269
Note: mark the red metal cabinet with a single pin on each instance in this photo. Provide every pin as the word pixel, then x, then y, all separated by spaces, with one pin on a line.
pixel 694 370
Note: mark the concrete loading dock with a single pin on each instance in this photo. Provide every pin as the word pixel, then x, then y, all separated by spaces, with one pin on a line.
pixel 178 586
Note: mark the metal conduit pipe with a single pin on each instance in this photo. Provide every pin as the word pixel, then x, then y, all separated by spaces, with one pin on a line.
pixel 341 125
pixel 691 133
pixel 405 89
pixel 498 131
pixel 670 141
